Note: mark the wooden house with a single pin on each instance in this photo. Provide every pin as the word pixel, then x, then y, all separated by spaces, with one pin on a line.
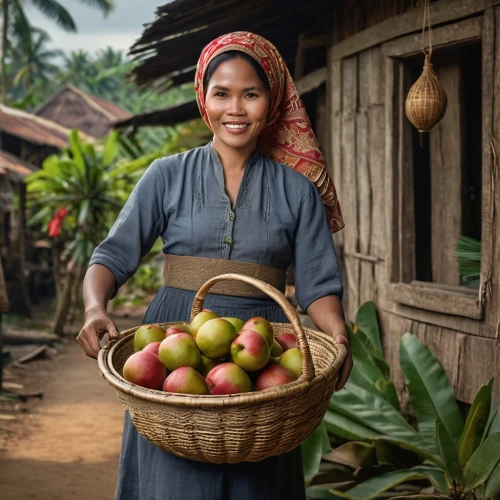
pixel 73 108
pixel 406 199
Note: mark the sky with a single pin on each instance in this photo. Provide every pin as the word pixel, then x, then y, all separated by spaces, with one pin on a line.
pixel 119 29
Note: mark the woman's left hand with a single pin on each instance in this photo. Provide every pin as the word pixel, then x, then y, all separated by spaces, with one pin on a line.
pixel 345 369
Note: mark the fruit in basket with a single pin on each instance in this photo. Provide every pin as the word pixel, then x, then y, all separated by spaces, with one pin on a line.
pixel 292 359
pixel 186 380
pixel 228 378
pixel 236 322
pixel 286 340
pixel 199 319
pixel 146 334
pixel 274 375
pixel 249 350
pixel 214 337
pixel 207 364
pixel 262 326
pixel 178 350
pixel 276 349
pixel 180 328
pixel 153 347
pixel 145 369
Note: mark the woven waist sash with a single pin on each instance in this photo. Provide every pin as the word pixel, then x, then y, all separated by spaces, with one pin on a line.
pixel 190 273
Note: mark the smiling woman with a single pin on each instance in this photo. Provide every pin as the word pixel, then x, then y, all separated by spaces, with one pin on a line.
pixel 251 196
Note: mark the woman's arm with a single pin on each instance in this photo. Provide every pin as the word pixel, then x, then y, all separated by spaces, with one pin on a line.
pixel 328 315
pixel 98 286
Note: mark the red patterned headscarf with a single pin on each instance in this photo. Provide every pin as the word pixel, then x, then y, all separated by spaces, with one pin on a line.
pixel 288 137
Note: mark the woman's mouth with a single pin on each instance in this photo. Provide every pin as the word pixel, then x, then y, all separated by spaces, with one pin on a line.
pixel 236 128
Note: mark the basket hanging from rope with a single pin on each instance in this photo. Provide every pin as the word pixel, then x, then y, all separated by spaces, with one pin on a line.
pixel 426 101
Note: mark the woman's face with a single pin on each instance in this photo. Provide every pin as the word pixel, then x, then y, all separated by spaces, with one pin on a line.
pixel 237 102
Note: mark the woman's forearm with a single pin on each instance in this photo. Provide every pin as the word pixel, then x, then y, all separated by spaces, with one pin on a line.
pixel 98 286
pixel 328 315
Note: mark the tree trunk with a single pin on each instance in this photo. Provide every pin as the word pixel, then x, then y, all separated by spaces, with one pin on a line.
pixel 76 294
pixel 64 302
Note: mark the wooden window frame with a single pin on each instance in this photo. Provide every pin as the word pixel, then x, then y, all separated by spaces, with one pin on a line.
pixel 403 288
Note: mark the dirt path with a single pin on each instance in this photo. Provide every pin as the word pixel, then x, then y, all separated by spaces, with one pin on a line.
pixel 69 445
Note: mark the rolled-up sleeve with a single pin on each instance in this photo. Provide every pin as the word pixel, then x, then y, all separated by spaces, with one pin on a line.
pixel 315 263
pixel 140 222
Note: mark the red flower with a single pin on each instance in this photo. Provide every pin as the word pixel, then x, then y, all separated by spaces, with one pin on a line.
pixel 55 224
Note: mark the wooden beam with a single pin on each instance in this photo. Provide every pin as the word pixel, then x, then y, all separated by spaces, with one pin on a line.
pixel 470 29
pixel 431 299
pixel 316 41
pixel 444 11
pixel 311 81
pixel 300 58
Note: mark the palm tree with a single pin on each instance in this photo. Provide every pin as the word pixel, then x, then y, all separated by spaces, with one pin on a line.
pixel 14 10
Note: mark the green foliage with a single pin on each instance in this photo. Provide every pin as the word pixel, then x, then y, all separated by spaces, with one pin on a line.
pixel 458 459
pixel 468 253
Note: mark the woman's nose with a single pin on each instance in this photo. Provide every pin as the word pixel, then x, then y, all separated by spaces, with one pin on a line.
pixel 236 107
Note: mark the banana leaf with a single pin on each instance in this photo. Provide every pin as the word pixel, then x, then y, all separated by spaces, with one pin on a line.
pixel 312 450
pixel 378 484
pixel 353 454
pixel 431 394
pixel 388 391
pixel 111 148
pixel 321 492
pixel 492 485
pixel 366 319
pixel 344 428
pixel 373 412
pixel 493 424
pixel 475 424
pixel 397 456
pixel 481 464
pixel 449 452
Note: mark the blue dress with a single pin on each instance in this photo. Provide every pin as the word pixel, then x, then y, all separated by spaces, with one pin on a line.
pixel 278 220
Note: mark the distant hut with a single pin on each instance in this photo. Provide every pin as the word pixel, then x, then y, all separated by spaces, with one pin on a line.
pixel 405 206
pixel 73 108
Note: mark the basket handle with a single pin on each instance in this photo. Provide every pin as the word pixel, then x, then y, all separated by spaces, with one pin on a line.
pixel 307 362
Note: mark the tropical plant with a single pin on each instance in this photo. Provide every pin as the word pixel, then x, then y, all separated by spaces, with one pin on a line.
pixel 13 12
pixel 80 191
pixel 457 459
pixel 468 253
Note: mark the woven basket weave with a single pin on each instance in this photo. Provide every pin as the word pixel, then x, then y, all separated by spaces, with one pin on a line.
pixel 232 428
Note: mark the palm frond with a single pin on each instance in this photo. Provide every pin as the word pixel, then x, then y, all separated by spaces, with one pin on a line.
pixel 55 11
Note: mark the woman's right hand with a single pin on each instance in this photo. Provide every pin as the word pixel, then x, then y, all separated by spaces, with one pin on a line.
pixel 97 324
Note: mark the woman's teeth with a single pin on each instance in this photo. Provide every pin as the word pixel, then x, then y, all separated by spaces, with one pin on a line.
pixel 235 126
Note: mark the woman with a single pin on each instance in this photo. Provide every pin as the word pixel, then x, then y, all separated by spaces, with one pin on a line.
pixel 236 203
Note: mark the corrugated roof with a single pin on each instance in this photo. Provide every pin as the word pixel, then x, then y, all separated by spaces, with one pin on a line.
pixel 35 129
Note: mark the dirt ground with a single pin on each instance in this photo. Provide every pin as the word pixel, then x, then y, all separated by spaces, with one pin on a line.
pixel 66 445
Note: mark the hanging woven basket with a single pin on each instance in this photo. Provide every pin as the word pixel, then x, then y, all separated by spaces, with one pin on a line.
pixel 426 101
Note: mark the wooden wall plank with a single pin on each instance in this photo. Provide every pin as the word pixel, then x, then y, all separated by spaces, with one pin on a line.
pixel 367 278
pixel 469 29
pixel 447 144
pixel 442 11
pixel 349 181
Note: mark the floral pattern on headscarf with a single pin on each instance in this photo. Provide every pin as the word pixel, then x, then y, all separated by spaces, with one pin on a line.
pixel 288 137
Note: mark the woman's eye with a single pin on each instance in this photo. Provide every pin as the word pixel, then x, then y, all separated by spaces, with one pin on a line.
pixel 252 95
pixel 220 94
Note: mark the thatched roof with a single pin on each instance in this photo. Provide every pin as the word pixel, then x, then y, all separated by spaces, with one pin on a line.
pixel 170 46
pixel 14 168
pixel 73 108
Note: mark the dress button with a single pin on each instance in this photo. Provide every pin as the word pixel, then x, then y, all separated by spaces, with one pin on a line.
pixel 229 240
pixel 231 215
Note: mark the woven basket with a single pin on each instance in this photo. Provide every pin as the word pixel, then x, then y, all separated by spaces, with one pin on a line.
pixel 232 428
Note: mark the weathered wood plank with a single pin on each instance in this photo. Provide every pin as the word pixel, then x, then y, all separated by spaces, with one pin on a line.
pixel 443 11
pixel 349 180
pixel 490 232
pixel 430 299
pixel 470 29
pixel 391 177
pixel 469 362
pixel 456 323
pixel 377 77
pixel 447 143
pixel 367 278
pixel 311 81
